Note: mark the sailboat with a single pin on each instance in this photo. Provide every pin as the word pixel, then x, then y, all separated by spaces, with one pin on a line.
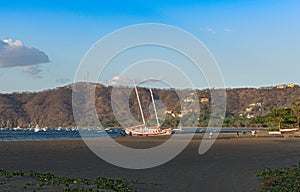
pixel 143 130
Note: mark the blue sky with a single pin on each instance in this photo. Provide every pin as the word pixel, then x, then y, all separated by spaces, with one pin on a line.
pixel 256 43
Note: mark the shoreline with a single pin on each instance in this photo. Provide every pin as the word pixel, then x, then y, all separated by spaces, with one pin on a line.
pixel 231 135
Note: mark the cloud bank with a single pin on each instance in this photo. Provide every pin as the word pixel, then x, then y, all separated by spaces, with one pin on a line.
pixel 15 53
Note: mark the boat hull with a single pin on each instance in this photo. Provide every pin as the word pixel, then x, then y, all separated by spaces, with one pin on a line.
pixel 274 133
pixel 289 130
pixel 148 132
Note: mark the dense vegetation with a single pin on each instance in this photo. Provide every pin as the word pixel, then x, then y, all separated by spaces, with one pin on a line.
pixel 263 107
pixel 276 119
pixel 281 180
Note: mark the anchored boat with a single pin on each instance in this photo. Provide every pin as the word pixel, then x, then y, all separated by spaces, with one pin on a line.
pixel 143 130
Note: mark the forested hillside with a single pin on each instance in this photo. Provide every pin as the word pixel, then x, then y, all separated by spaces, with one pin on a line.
pixel 53 108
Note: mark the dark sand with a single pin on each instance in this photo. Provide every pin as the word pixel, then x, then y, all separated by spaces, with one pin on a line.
pixel 230 165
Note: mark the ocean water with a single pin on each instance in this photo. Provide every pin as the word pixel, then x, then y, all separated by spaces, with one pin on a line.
pixel 55 134
pixel 203 130
pixel 64 134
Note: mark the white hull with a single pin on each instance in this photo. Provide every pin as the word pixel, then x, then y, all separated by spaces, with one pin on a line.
pixel 289 130
pixel 148 132
pixel 274 133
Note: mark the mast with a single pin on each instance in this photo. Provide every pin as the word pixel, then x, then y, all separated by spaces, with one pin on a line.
pixel 154 108
pixel 138 98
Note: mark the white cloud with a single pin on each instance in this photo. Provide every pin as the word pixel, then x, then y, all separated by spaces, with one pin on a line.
pixel 115 79
pixel 15 53
pixel 120 80
pixel 33 71
pixel 209 30
pixel 62 80
pixel 10 42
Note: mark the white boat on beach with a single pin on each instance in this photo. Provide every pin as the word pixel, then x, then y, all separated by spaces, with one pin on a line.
pixel 289 130
pixel 143 130
pixel 282 131
pixel 274 133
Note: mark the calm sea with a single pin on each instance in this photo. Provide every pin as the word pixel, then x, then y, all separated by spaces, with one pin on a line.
pixel 55 134
pixel 63 134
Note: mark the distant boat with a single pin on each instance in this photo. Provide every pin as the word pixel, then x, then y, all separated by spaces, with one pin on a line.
pixel 274 133
pixel 143 130
pixel 37 128
pixel 289 130
pixel 179 128
pixel 16 128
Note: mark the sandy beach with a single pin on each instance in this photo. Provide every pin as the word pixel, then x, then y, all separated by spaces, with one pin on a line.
pixel 230 165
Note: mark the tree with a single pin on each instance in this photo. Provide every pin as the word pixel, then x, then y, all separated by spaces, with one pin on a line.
pixel 281 116
pixel 296 110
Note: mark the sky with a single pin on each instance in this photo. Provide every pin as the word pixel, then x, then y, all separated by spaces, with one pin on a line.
pixel 255 42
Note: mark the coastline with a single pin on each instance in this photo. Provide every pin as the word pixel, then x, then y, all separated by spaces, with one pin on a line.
pixel 224 132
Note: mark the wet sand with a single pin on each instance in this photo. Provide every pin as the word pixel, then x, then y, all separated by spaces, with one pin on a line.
pixel 230 164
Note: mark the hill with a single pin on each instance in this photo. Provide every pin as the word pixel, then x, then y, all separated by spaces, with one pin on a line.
pixel 53 108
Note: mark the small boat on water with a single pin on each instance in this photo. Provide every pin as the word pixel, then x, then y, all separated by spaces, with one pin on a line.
pixel 289 130
pixel 16 128
pixel 37 128
pixel 179 128
pixel 143 130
